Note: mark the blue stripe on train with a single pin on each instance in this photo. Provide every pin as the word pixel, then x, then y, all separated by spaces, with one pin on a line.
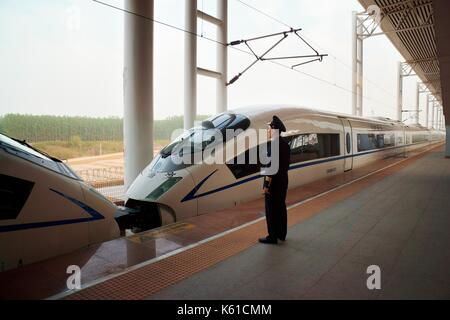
pixel 94 215
pixel 191 195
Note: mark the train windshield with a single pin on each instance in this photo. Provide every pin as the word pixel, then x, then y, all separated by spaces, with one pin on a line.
pixel 196 140
pixel 23 146
pixel 26 151
pixel 190 143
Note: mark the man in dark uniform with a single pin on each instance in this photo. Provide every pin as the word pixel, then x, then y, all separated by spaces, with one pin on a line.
pixel 275 187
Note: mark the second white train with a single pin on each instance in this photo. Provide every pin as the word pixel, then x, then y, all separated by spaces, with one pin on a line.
pixel 322 144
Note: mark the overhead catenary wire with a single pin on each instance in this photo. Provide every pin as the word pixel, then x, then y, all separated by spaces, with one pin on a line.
pixel 315 44
pixel 264 13
pixel 234 48
pixel 284 34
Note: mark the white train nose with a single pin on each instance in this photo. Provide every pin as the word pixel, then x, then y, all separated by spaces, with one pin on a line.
pixel 153 186
pixel 159 194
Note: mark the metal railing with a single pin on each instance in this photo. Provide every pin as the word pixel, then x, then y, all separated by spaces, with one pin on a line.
pixel 108 181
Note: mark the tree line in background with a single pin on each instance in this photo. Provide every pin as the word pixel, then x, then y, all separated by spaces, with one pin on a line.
pixel 34 128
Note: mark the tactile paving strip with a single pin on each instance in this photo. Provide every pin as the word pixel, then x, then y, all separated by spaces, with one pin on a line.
pixel 147 280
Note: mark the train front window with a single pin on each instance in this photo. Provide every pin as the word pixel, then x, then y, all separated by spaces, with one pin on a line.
pixel 189 143
pixel 22 146
pixel 25 151
pixel 222 120
pixel 196 140
pixel 230 121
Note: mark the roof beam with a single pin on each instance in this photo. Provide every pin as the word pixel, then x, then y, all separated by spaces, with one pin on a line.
pixel 209 18
pixel 401 3
pixel 426 26
pixel 209 73
pixel 431 59
pixel 390 13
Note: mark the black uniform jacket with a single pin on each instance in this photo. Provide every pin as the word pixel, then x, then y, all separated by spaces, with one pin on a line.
pixel 280 179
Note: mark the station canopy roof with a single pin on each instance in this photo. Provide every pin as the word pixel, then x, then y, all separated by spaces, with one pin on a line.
pixel 410 26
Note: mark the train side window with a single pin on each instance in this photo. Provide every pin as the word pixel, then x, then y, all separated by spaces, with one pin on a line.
pixel 419 137
pixel 329 145
pixel 241 170
pixel 389 140
pixel 368 142
pixel 14 193
pixel 306 147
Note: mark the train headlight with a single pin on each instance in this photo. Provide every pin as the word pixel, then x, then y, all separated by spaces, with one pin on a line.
pixel 163 188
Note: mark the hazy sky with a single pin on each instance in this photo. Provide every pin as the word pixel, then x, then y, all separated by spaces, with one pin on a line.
pixel 65 57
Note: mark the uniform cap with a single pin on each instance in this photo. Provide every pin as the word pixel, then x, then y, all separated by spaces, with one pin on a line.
pixel 276 123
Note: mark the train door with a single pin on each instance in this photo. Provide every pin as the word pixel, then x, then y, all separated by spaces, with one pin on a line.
pixel 348 145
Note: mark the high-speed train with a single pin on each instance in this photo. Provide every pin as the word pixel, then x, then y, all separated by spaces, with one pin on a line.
pixel 322 144
pixel 46 210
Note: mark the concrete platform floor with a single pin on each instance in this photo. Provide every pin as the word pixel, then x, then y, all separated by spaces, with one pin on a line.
pixel 323 229
pixel 400 223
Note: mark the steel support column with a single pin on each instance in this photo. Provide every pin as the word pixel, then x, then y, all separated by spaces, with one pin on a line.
pixel 433 113
pixel 427 111
pixel 190 64
pixel 138 88
pixel 191 68
pixel 357 65
pixel 447 143
pixel 438 119
pixel 400 92
pixel 354 63
pixel 417 103
pixel 222 56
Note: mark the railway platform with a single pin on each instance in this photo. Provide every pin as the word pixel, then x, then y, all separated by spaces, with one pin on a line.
pixel 394 214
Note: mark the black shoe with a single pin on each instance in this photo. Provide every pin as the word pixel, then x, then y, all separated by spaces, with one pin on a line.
pixel 282 239
pixel 268 240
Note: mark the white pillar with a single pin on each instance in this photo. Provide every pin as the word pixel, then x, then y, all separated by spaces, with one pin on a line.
pixel 433 110
pixel 427 111
pixel 443 120
pixel 222 56
pixel 357 66
pixel 138 88
pixel 354 63
pixel 447 142
pixel 438 121
pixel 190 64
pixel 400 93
pixel 417 102
pixel 360 72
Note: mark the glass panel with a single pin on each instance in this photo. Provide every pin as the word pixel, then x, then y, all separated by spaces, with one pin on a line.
pixel 348 142
pixel 22 147
pixel 306 147
pixel 28 153
pixel 241 170
pixel 367 142
pixel 14 193
pixel 163 188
